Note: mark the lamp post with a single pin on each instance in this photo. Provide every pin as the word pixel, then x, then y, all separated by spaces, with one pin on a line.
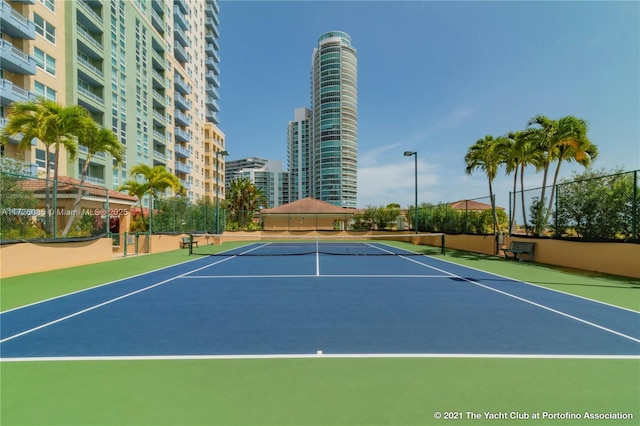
pixel 218 154
pixel 415 154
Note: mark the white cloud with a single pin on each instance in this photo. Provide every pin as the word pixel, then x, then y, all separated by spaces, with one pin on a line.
pixel 394 182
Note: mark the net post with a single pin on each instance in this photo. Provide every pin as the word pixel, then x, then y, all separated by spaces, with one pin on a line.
pixel 444 246
pixel 190 244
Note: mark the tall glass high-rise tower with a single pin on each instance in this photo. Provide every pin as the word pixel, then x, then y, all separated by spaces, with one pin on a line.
pixel 334 101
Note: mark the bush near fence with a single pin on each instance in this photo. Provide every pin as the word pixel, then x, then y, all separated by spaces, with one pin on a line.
pixel 594 207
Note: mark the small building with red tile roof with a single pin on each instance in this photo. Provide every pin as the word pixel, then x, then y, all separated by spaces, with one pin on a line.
pixel 96 201
pixel 307 214
pixel 472 205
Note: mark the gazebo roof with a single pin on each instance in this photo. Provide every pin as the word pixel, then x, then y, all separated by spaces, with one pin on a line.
pixel 308 206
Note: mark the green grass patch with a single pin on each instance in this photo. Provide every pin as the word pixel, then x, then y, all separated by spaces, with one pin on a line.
pixel 30 288
pixel 314 391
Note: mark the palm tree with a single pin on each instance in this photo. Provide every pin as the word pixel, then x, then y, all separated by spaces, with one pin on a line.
pixel 487 154
pixel 243 199
pixel 559 140
pixel 96 140
pixel 157 180
pixel 52 124
pixel 136 189
pixel 521 153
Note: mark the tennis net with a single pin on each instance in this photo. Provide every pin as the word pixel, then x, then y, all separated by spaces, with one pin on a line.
pixel 262 244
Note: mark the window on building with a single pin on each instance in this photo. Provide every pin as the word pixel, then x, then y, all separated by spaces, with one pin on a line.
pixel 44 28
pixel 44 61
pixel 49 4
pixel 44 91
pixel 40 159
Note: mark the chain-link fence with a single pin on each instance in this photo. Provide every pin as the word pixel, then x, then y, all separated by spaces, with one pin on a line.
pixel 33 208
pixel 181 216
pixel 593 208
pixel 473 216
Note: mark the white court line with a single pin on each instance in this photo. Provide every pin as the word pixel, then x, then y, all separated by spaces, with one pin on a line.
pixel 522 299
pixel 540 286
pixel 108 302
pixel 196 277
pixel 98 286
pixel 105 284
pixel 319 355
pixel 91 308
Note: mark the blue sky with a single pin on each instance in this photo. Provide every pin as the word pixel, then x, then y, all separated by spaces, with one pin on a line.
pixel 434 77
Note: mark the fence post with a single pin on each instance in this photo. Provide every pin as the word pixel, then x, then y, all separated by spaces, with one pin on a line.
pixel 55 208
pixel 634 208
pixel 511 213
pixel 555 217
pixel 126 243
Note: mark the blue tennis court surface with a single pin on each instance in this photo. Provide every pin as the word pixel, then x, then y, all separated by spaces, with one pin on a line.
pixel 301 305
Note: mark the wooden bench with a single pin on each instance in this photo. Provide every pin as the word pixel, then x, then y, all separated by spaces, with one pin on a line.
pixel 517 248
pixel 184 243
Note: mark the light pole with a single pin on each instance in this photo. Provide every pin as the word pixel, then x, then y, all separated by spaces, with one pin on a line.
pixel 218 154
pixel 415 154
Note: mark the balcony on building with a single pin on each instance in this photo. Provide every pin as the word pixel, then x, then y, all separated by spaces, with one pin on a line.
pixel 210 25
pixel 182 167
pixel 17 138
pixel 182 152
pixel 209 36
pixel 182 135
pixel 89 42
pixel 15 24
pixel 91 98
pixel 159 162
pixel 88 16
pixel 157 79
pixel 158 6
pixel 210 89
pixel 181 118
pixel 211 117
pixel 159 136
pixel 210 12
pixel 158 97
pixel 180 53
pixel 157 61
pixel 159 152
pixel 215 56
pixel 159 117
pixel 215 6
pixel 210 64
pixel 157 21
pixel 212 104
pixel 182 4
pixel 181 85
pixel 158 46
pixel 179 18
pixel 10 93
pixel 185 184
pixel 180 37
pixel 181 102
pixel 212 78
pixel 89 72
pixel 15 60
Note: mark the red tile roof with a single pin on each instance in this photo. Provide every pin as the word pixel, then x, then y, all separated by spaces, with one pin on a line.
pixel 308 205
pixel 67 185
pixel 472 205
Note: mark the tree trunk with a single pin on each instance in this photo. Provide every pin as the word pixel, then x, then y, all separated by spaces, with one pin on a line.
pixel 76 203
pixel 524 210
